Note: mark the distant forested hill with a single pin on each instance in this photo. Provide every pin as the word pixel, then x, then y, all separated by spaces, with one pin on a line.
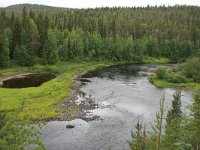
pixel 28 6
pixel 32 32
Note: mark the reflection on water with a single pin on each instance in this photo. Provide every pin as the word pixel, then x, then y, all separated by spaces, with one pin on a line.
pixel 120 96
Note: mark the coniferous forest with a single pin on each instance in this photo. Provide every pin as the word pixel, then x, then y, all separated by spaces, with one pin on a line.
pixel 30 34
pixel 105 51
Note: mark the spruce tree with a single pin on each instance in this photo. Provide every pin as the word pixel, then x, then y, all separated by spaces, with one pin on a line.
pixel 4 51
pixel 195 123
pixel 52 48
pixel 173 123
pixel 16 38
pixel 139 138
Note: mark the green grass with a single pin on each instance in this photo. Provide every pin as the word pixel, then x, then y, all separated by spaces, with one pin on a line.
pixel 164 84
pixel 42 102
pixel 156 60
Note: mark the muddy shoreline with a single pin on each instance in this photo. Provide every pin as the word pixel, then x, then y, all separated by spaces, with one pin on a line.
pixel 70 102
pixel 81 108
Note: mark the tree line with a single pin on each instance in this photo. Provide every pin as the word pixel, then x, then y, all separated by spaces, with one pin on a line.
pixel 38 34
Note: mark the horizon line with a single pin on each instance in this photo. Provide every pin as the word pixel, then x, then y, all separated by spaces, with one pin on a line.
pixel 146 6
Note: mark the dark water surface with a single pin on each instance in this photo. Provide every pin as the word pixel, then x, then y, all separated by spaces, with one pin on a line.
pixel 28 80
pixel 123 95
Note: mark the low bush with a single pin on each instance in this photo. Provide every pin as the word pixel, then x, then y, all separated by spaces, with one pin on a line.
pixel 161 73
pixel 177 78
pixel 191 69
pixel 18 135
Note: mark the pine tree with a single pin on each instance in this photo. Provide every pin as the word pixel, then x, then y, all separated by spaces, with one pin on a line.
pixel 4 51
pixel 64 53
pixel 34 36
pixel 195 123
pixel 139 138
pixel 16 38
pixel 173 123
pixel 52 49
pixel 25 19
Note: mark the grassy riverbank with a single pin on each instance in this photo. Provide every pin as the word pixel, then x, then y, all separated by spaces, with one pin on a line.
pixel 165 84
pixel 42 102
pixel 186 75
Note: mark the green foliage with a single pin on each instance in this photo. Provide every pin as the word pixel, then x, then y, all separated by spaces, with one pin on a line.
pixel 173 135
pixel 42 102
pixel 24 56
pixel 146 140
pixel 16 36
pixel 52 48
pixel 181 132
pixel 170 77
pixel 177 78
pixel 139 138
pixel 96 34
pixel 191 69
pixel 195 122
pixel 18 134
pixel 155 60
pixel 158 124
pixel 165 83
pixel 64 50
pixel 4 50
pixel 161 73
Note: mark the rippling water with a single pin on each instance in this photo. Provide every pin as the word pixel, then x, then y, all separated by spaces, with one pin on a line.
pixel 123 96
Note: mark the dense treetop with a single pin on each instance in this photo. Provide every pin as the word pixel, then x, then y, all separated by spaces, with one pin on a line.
pixel 117 34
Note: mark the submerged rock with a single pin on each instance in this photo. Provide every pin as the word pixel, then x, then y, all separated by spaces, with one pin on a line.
pixel 69 126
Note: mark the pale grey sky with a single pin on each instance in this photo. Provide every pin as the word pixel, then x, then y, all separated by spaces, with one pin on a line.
pixel 100 3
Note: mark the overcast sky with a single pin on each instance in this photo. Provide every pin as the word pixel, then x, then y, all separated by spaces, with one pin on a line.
pixel 100 3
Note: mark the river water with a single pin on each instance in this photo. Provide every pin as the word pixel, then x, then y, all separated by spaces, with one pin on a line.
pixel 123 95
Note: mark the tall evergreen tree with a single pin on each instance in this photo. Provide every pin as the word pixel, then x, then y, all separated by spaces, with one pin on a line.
pixel 173 124
pixel 16 38
pixel 52 48
pixel 195 123
pixel 4 51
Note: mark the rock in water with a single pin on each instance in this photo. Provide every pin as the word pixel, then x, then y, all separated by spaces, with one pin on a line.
pixel 69 126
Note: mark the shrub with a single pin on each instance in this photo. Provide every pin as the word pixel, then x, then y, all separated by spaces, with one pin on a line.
pixel 18 134
pixel 177 78
pixel 191 68
pixel 161 73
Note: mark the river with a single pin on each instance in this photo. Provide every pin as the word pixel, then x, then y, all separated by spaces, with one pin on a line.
pixel 123 95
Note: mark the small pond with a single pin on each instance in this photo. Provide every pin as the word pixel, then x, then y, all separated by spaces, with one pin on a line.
pixel 27 80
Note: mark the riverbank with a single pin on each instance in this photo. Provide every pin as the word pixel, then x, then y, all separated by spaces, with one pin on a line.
pixel 44 102
pixel 161 83
pixel 52 100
